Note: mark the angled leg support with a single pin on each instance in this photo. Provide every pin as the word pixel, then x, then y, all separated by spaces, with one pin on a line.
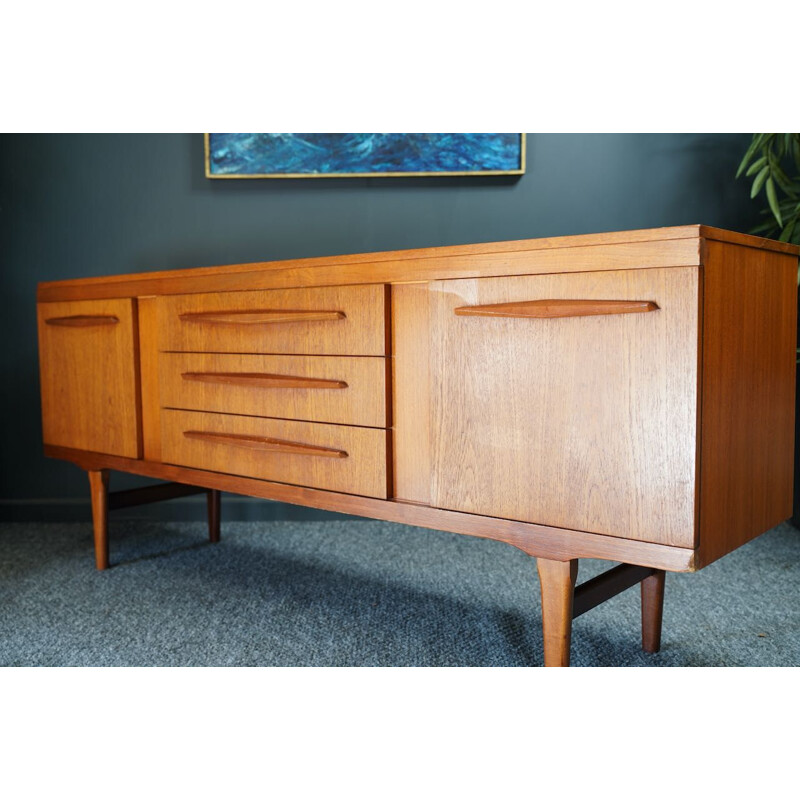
pixel 104 501
pixel 98 483
pixel 557 579
pixel 652 610
pixel 562 601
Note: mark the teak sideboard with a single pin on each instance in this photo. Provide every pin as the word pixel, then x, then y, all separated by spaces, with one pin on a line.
pixel 621 396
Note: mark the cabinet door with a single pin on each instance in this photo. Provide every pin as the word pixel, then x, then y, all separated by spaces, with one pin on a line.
pixel 573 404
pixel 87 360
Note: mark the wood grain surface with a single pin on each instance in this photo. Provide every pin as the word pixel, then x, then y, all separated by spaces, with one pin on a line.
pixel 351 322
pixel 556 309
pixel 569 437
pixel 88 377
pixel 262 380
pixel 675 246
pixel 147 309
pixel 652 595
pixel 411 392
pixel 747 419
pixel 586 423
pixel 267 317
pixel 83 320
pixel 266 444
pixel 98 486
pixel 607 252
pixel 557 583
pixel 240 446
pixel 340 389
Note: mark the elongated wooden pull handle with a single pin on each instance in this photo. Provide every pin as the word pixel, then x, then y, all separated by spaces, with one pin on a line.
pixel 263 380
pixel 550 309
pixel 83 320
pixel 261 317
pixel 265 444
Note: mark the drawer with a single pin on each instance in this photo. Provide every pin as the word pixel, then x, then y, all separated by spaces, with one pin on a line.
pixel 341 389
pixel 334 457
pixel 568 400
pixel 335 320
pixel 87 359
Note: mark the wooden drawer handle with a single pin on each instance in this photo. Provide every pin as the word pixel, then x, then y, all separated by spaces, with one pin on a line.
pixel 263 380
pixel 265 444
pixel 264 317
pixel 83 320
pixel 550 309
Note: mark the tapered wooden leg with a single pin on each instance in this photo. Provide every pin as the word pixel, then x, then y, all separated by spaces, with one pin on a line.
pixel 557 579
pixel 213 515
pixel 98 483
pixel 652 611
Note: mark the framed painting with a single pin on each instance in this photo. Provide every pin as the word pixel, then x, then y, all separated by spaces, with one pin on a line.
pixel 362 155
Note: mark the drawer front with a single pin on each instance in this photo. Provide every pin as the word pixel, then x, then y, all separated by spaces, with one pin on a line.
pixel 334 457
pixel 87 359
pixel 568 400
pixel 343 320
pixel 345 390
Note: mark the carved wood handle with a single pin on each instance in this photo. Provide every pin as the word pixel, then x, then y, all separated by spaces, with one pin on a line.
pixel 265 444
pixel 550 309
pixel 261 317
pixel 263 380
pixel 83 320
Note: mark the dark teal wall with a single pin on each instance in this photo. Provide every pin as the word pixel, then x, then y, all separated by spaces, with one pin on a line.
pixel 80 205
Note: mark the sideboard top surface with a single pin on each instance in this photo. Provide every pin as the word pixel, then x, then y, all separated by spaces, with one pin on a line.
pixel 654 247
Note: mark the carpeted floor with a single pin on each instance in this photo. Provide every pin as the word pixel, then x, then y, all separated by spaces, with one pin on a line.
pixel 360 593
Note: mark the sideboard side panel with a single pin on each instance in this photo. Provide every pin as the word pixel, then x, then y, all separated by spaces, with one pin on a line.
pixel 748 395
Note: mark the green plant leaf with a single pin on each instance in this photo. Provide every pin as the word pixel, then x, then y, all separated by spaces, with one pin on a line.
pixel 759 181
pixel 767 228
pixel 787 232
pixel 772 199
pixel 782 179
pixel 750 152
pixel 756 166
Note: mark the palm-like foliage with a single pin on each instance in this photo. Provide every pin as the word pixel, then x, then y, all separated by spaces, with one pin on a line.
pixel 768 159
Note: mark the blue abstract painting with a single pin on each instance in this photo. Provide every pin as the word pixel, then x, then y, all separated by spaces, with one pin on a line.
pixel 283 155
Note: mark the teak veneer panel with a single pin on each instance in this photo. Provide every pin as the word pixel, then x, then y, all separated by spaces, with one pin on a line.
pixel 340 389
pixel 748 407
pixel 149 360
pixel 89 376
pixel 411 392
pixel 586 423
pixel 350 320
pixel 228 443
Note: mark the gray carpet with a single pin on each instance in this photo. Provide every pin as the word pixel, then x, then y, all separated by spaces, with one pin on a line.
pixel 360 593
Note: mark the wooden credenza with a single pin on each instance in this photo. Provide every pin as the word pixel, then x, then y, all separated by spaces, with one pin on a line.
pixel 623 396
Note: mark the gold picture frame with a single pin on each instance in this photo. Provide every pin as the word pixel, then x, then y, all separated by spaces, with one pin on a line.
pixel 436 174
